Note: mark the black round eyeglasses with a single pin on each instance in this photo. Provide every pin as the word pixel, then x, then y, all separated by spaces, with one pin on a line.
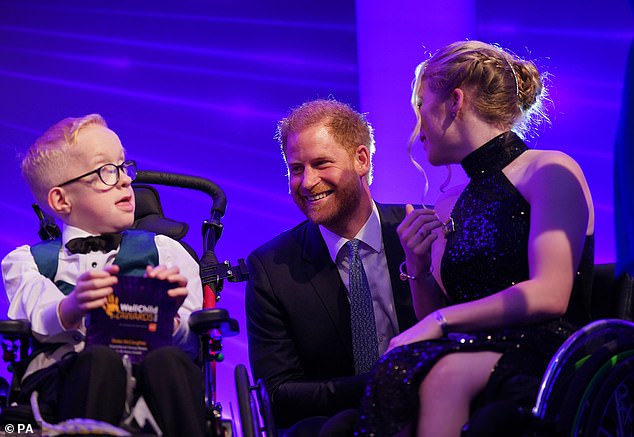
pixel 109 173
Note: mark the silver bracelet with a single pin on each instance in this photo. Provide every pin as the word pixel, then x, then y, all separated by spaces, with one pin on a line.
pixel 404 276
pixel 442 322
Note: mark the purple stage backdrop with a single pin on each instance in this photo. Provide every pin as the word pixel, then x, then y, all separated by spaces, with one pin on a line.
pixel 196 87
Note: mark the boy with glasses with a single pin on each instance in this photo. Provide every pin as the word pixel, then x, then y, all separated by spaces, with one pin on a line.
pixel 55 284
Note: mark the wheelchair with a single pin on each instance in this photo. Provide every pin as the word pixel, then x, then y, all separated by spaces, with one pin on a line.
pixel 588 386
pixel 211 323
pixel 587 389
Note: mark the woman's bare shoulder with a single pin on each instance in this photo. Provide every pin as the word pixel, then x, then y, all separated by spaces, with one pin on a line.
pixel 551 172
pixel 542 158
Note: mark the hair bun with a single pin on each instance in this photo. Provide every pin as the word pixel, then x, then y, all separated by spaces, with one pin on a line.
pixel 530 84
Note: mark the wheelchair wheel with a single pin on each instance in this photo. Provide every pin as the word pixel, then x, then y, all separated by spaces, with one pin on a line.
pixel 249 418
pixel 609 411
pixel 583 384
pixel 577 373
pixel 254 403
pixel 265 409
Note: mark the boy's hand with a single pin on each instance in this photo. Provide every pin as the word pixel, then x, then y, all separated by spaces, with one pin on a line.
pixel 171 274
pixel 89 293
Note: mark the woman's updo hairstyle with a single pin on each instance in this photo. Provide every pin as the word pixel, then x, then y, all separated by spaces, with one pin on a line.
pixel 505 90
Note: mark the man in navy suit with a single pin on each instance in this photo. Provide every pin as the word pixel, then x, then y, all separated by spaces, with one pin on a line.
pixel 297 299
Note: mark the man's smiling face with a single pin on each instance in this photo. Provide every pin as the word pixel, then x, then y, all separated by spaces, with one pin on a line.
pixel 324 178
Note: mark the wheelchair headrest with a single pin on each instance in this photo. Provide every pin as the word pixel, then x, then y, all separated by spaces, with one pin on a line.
pixel 148 214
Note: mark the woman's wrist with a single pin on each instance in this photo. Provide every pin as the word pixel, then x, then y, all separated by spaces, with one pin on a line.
pixel 404 275
pixel 441 321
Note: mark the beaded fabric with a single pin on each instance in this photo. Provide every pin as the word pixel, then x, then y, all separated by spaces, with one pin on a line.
pixel 485 253
pixel 476 253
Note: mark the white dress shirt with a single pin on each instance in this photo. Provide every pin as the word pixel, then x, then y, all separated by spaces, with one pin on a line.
pixel 372 254
pixel 36 298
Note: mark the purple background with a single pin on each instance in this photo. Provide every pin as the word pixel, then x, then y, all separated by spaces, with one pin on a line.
pixel 196 87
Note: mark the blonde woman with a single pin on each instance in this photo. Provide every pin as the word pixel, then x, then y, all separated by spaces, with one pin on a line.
pixel 492 268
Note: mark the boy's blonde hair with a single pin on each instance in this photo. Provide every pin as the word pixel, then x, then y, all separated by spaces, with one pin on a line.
pixel 48 156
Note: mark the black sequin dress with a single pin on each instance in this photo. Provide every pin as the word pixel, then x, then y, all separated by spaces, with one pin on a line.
pixel 486 253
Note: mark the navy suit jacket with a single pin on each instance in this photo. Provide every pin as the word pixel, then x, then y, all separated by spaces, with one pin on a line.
pixel 298 320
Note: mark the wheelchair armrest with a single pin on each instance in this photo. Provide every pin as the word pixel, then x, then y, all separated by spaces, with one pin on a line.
pixel 15 329
pixel 208 319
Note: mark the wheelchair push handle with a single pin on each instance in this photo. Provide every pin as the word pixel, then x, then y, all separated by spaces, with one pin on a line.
pixel 48 229
pixel 193 182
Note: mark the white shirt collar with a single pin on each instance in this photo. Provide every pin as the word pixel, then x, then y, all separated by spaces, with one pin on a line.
pixel 370 234
pixel 70 232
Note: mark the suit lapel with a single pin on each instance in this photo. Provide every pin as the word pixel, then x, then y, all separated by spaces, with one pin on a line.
pixel 326 282
pixel 324 277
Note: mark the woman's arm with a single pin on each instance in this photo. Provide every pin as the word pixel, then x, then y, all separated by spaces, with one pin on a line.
pixel 418 232
pixel 561 210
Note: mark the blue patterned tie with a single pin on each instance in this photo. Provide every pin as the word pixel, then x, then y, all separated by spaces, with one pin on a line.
pixel 364 341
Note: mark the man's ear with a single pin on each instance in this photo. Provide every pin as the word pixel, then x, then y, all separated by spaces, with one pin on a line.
pixel 362 160
pixel 58 201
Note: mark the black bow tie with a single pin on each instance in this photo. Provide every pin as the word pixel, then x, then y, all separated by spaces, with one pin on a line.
pixel 101 243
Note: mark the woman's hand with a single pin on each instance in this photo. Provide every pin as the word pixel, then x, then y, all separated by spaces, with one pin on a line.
pixel 415 233
pixel 426 329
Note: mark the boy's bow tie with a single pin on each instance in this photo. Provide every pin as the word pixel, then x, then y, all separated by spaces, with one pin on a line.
pixel 101 243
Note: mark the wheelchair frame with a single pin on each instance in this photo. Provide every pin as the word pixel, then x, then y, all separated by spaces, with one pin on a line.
pixel 210 323
pixel 601 354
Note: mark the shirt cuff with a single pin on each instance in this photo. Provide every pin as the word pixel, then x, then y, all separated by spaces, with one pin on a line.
pixel 82 324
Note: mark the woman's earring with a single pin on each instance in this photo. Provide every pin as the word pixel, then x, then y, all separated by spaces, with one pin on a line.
pixel 453 114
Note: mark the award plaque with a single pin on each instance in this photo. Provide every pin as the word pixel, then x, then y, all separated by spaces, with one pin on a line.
pixel 137 317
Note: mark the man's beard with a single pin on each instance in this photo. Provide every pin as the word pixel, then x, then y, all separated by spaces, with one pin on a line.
pixel 343 203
